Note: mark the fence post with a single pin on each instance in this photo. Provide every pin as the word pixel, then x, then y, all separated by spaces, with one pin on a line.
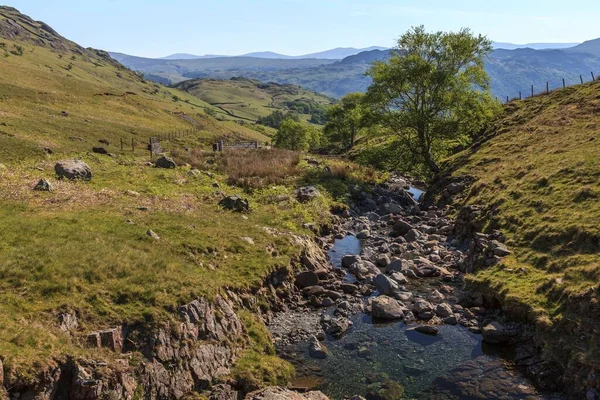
pixel 531 90
pixel 520 97
pixel 564 86
pixel 507 99
pixel 547 87
pixel 593 77
pixel 581 78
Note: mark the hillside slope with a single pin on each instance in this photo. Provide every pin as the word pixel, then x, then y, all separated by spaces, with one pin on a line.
pixel 56 95
pixel 250 99
pixel 80 259
pixel 537 178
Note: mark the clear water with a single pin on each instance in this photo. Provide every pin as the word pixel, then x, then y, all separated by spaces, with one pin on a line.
pixel 347 246
pixel 416 193
pixel 453 365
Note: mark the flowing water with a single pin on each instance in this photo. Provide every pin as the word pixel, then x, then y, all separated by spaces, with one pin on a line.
pixel 453 365
pixel 416 193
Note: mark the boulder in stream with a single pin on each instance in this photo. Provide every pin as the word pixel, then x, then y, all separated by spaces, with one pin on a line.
pixel 316 349
pixel 385 307
pixel 385 285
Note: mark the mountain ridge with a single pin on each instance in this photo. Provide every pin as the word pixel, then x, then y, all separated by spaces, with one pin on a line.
pixel 337 53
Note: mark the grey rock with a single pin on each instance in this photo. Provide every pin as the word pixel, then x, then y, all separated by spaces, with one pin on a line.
pixel 451 320
pixel 455 188
pixel 347 261
pixel 443 310
pixel 397 265
pixel 412 235
pixel 399 277
pixel 43 185
pixel 306 279
pixel 99 150
pixel 316 349
pixel 73 169
pixel 385 285
pixel 349 288
pixel 365 234
pixel 402 227
pixel 427 330
pixel 364 269
pixel 383 260
pixel 67 322
pixel 223 392
pixel 152 234
pixel 390 208
pixel 422 306
pixel 279 393
pixel 307 193
pixel 496 333
pixel 235 203
pixel 499 249
pixel 385 307
pixel 338 326
pixel 165 162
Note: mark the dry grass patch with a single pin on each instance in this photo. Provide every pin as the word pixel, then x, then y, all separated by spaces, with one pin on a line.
pixel 249 169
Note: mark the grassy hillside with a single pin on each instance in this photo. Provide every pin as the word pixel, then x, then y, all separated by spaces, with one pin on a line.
pixel 57 95
pixel 84 247
pixel 248 99
pixel 537 176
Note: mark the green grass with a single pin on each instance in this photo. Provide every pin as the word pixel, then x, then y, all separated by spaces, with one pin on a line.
pixel 258 365
pixel 248 99
pixel 538 176
pixel 74 248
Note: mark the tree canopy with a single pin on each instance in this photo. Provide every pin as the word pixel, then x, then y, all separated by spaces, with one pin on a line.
pixel 433 92
pixel 346 119
pixel 294 135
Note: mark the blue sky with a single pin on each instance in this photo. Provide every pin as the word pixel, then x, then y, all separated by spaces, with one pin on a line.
pixel 154 28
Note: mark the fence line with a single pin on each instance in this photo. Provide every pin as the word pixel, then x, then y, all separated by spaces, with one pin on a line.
pixel 547 90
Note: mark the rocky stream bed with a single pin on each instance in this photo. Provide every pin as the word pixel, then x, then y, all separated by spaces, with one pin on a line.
pixel 389 318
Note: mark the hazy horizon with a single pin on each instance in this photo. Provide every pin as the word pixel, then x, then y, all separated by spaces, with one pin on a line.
pixel 154 29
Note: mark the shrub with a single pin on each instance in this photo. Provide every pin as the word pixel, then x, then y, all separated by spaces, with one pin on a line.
pixel 18 50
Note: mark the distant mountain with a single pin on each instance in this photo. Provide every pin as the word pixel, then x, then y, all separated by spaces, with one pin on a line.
pixel 591 47
pixel 185 56
pixel 366 57
pixel 268 54
pixel 333 54
pixel 511 71
pixel 536 46
pixel 340 53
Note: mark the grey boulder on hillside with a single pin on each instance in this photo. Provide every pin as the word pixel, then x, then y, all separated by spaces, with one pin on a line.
pixel 73 169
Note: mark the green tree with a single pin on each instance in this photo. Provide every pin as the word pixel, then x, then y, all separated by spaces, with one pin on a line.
pixel 275 119
pixel 433 92
pixel 345 119
pixel 291 135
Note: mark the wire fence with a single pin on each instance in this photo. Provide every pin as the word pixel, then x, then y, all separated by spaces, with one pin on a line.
pixel 550 87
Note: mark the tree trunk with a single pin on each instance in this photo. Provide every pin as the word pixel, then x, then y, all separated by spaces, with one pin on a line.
pixel 431 163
